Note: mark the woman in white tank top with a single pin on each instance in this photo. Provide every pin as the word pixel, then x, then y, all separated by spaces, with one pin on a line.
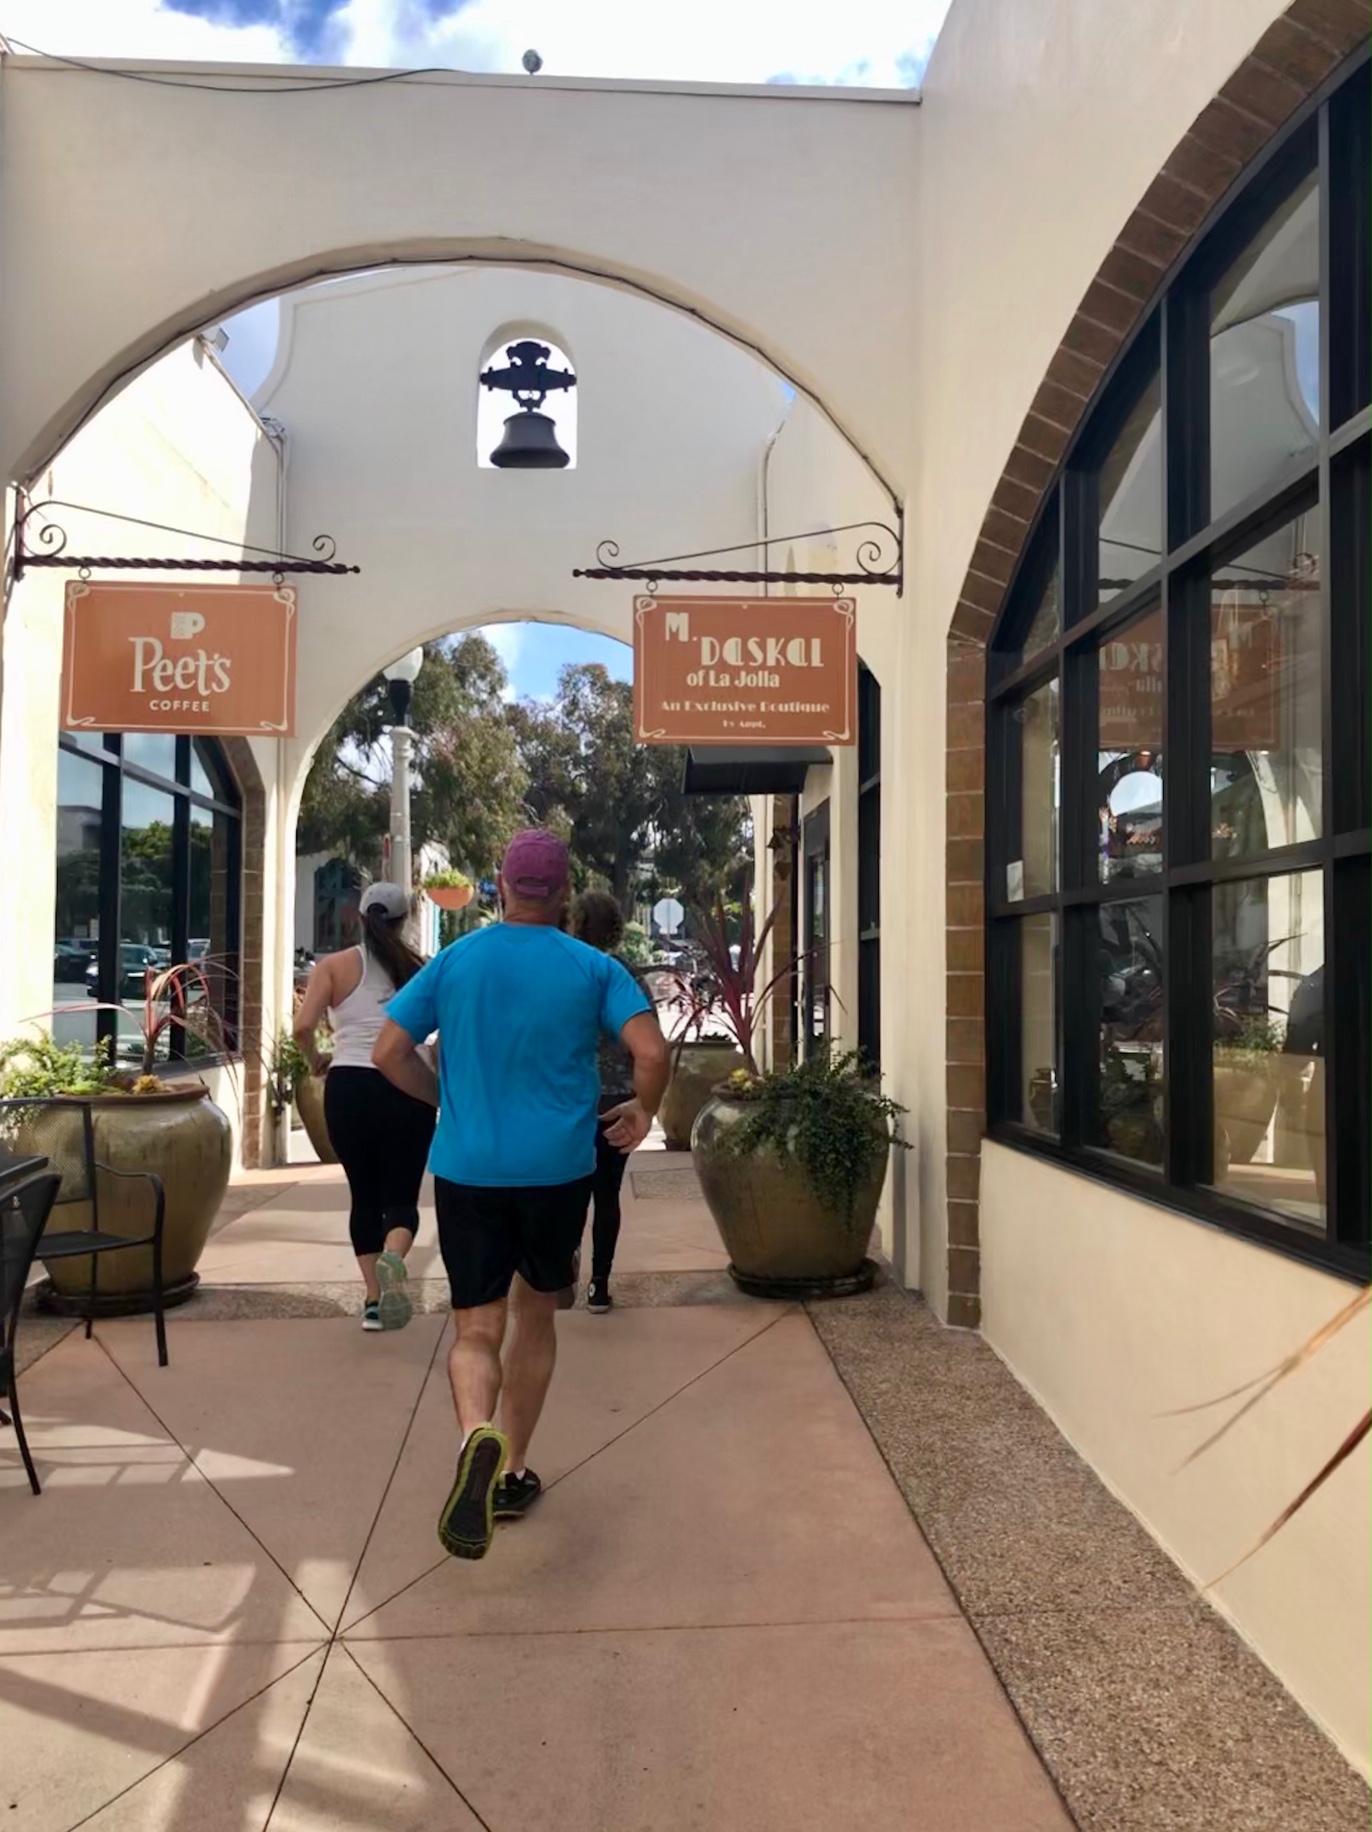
pixel 381 1136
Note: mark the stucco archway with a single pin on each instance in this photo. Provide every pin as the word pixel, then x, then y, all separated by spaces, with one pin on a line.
pixel 167 230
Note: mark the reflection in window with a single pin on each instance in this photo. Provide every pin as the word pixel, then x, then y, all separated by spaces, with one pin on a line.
pixel 1047 622
pixel 1128 986
pixel 1036 872
pixel 146 889
pixel 1130 487
pixel 167 895
pixel 80 787
pixel 1268 963
pixel 1265 643
pixel 1265 353
pixel 1039 1095
pixel 1129 784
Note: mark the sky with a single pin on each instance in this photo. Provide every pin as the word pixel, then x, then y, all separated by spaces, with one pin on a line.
pixel 860 43
pixel 534 653
pixel 870 43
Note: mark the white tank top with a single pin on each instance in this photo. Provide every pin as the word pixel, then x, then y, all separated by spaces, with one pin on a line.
pixel 357 1021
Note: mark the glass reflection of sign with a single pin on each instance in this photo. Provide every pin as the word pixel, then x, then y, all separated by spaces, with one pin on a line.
pixel 1245 676
pixel 161 657
pixel 738 671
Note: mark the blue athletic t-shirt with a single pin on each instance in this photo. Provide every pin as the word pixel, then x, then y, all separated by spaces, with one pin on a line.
pixel 519 1012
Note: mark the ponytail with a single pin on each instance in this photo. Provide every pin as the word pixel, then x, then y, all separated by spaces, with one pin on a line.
pixel 383 937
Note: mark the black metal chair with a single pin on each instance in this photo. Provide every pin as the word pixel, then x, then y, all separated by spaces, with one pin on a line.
pixel 25 1203
pixel 63 1132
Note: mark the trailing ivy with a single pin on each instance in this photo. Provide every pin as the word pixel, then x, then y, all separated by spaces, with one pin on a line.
pixel 826 1115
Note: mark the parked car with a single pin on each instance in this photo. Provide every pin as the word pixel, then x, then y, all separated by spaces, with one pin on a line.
pixel 136 962
pixel 70 961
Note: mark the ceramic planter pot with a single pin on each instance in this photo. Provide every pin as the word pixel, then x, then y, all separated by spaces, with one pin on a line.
pixel 449 896
pixel 1245 1099
pixel 696 1072
pixel 309 1104
pixel 183 1138
pixel 783 1241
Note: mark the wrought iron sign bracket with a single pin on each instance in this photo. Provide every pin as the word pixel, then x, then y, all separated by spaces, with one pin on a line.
pixel 879 557
pixel 51 549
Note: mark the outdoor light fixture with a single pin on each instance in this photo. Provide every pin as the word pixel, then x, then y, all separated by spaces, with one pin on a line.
pixel 530 438
pixel 400 678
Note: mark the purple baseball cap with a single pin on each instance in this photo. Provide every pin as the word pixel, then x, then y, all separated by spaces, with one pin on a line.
pixel 535 865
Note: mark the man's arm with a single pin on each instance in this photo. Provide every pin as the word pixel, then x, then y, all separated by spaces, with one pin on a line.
pixel 397 1056
pixel 627 1125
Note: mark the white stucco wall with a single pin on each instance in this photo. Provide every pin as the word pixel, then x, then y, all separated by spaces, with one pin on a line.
pixel 1115 1312
pixel 712 196
pixel 180 446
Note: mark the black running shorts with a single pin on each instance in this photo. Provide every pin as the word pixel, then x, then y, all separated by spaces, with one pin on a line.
pixel 487 1235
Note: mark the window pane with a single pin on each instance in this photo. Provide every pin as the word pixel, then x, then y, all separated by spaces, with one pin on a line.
pixel 212 1023
pixel 1047 620
pixel 80 787
pixel 1130 496
pixel 152 751
pixel 1128 989
pixel 1035 872
pixel 1039 1073
pixel 1268 955
pixel 97 743
pixel 200 776
pixel 1129 790
pixel 1265 353
pixel 1266 778
pixel 145 903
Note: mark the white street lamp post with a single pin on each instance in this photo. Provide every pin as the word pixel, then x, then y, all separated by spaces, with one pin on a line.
pixel 400 678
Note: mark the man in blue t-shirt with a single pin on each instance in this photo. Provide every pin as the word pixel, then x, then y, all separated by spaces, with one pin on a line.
pixel 519 1008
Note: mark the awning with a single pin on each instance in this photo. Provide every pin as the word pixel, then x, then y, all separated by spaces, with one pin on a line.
pixel 751 769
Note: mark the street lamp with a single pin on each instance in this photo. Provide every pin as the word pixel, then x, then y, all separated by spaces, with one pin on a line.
pixel 400 678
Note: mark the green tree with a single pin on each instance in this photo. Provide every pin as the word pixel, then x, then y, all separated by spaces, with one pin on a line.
pixel 465 755
pixel 621 804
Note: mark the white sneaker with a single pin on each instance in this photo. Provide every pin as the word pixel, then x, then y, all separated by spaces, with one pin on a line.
pixel 371 1315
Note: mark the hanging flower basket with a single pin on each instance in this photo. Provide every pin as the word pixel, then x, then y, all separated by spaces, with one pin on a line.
pixel 454 894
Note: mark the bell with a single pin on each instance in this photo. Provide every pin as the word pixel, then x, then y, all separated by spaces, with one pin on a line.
pixel 529 443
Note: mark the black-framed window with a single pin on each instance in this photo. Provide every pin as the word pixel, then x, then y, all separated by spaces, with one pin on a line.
pixel 816 994
pixel 148 875
pixel 869 866
pixel 1177 767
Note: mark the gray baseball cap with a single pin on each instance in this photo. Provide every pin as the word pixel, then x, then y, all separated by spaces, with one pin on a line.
pixel 391 898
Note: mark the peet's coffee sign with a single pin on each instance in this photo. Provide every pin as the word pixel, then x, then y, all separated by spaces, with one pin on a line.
pixel 160 657
pixel 735 671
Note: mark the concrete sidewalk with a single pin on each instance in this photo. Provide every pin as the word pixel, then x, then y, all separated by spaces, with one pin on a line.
pixel 229 1609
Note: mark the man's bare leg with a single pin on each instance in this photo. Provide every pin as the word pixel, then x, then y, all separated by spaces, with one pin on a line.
pixel 474 1364
pixel 466 1523
pixel 529 1364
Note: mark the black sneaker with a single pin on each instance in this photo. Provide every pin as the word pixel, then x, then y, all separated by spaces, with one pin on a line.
pixel 516 1495
pixel 467 1523
pixel 598 1297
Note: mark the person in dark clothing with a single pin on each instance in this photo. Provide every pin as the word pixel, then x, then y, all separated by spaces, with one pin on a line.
pixel 598 921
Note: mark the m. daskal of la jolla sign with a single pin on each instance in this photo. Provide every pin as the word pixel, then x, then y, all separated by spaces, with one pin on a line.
pixel 736 671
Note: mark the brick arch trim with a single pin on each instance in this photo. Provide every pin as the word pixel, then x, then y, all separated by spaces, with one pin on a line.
pixel 1296 54
pixel 241 761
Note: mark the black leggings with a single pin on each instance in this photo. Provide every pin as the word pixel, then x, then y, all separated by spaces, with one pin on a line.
pixel 610 1166
pixel 382 1139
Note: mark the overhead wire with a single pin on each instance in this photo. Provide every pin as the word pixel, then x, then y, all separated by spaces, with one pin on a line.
pixel 264 87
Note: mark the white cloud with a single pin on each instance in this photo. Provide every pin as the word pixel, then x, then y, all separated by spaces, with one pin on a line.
pixel 136 28
pixel 507 639
pixel 880 43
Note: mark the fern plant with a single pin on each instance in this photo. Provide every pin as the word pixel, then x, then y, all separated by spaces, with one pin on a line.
pixel 826 1115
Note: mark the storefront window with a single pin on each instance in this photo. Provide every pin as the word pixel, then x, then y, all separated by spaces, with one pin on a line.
pixel 1265 353
pixel 147 878
pixel 1177 752
pixel 869 867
